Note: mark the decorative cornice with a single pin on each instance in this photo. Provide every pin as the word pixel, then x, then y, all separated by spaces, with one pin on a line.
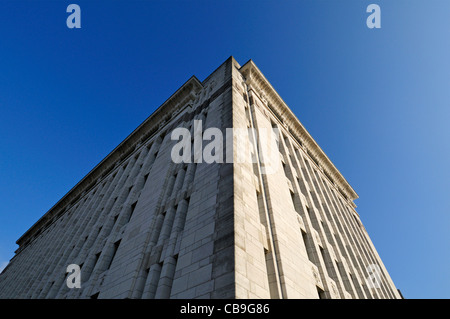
pixel 256 80
pixel 171 107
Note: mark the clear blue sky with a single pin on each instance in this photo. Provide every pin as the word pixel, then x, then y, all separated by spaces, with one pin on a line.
pixel 376 100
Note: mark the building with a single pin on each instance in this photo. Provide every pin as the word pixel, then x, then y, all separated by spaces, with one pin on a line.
pixel 141 225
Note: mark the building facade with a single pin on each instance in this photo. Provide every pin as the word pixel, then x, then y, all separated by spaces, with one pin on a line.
pixel 141 225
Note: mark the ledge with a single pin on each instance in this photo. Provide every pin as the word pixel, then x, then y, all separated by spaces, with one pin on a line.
pixel 144 131
pixel 256 80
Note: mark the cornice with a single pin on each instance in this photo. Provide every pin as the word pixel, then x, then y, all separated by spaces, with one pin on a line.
pixel 255 80
pixel 170 108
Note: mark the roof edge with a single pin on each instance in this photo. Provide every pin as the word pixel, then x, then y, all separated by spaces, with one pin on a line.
pixel 109 162
pixel 254 77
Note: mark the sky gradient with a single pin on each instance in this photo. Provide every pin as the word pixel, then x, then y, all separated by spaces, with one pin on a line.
pixel 377 101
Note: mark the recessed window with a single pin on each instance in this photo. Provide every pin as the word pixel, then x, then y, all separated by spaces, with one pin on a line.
pixel 133 206
pixel 115 248
pixel 97 257
pixel 321 293
pixel 95 296
pixel 285 169
pixel 305 240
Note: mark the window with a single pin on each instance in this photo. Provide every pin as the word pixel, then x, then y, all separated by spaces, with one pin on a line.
pixel 321 293
pixel 322 252
pixel 115 248
pixel 133 206
pixel 294 202
pixel 305 240
pixel 95 296
pixel 286 141
pixel 97 257
pixel 285 169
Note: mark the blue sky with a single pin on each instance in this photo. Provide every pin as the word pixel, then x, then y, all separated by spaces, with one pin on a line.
pixel 376 100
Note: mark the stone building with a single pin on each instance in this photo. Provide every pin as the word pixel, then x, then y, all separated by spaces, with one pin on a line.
pixel 140 225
